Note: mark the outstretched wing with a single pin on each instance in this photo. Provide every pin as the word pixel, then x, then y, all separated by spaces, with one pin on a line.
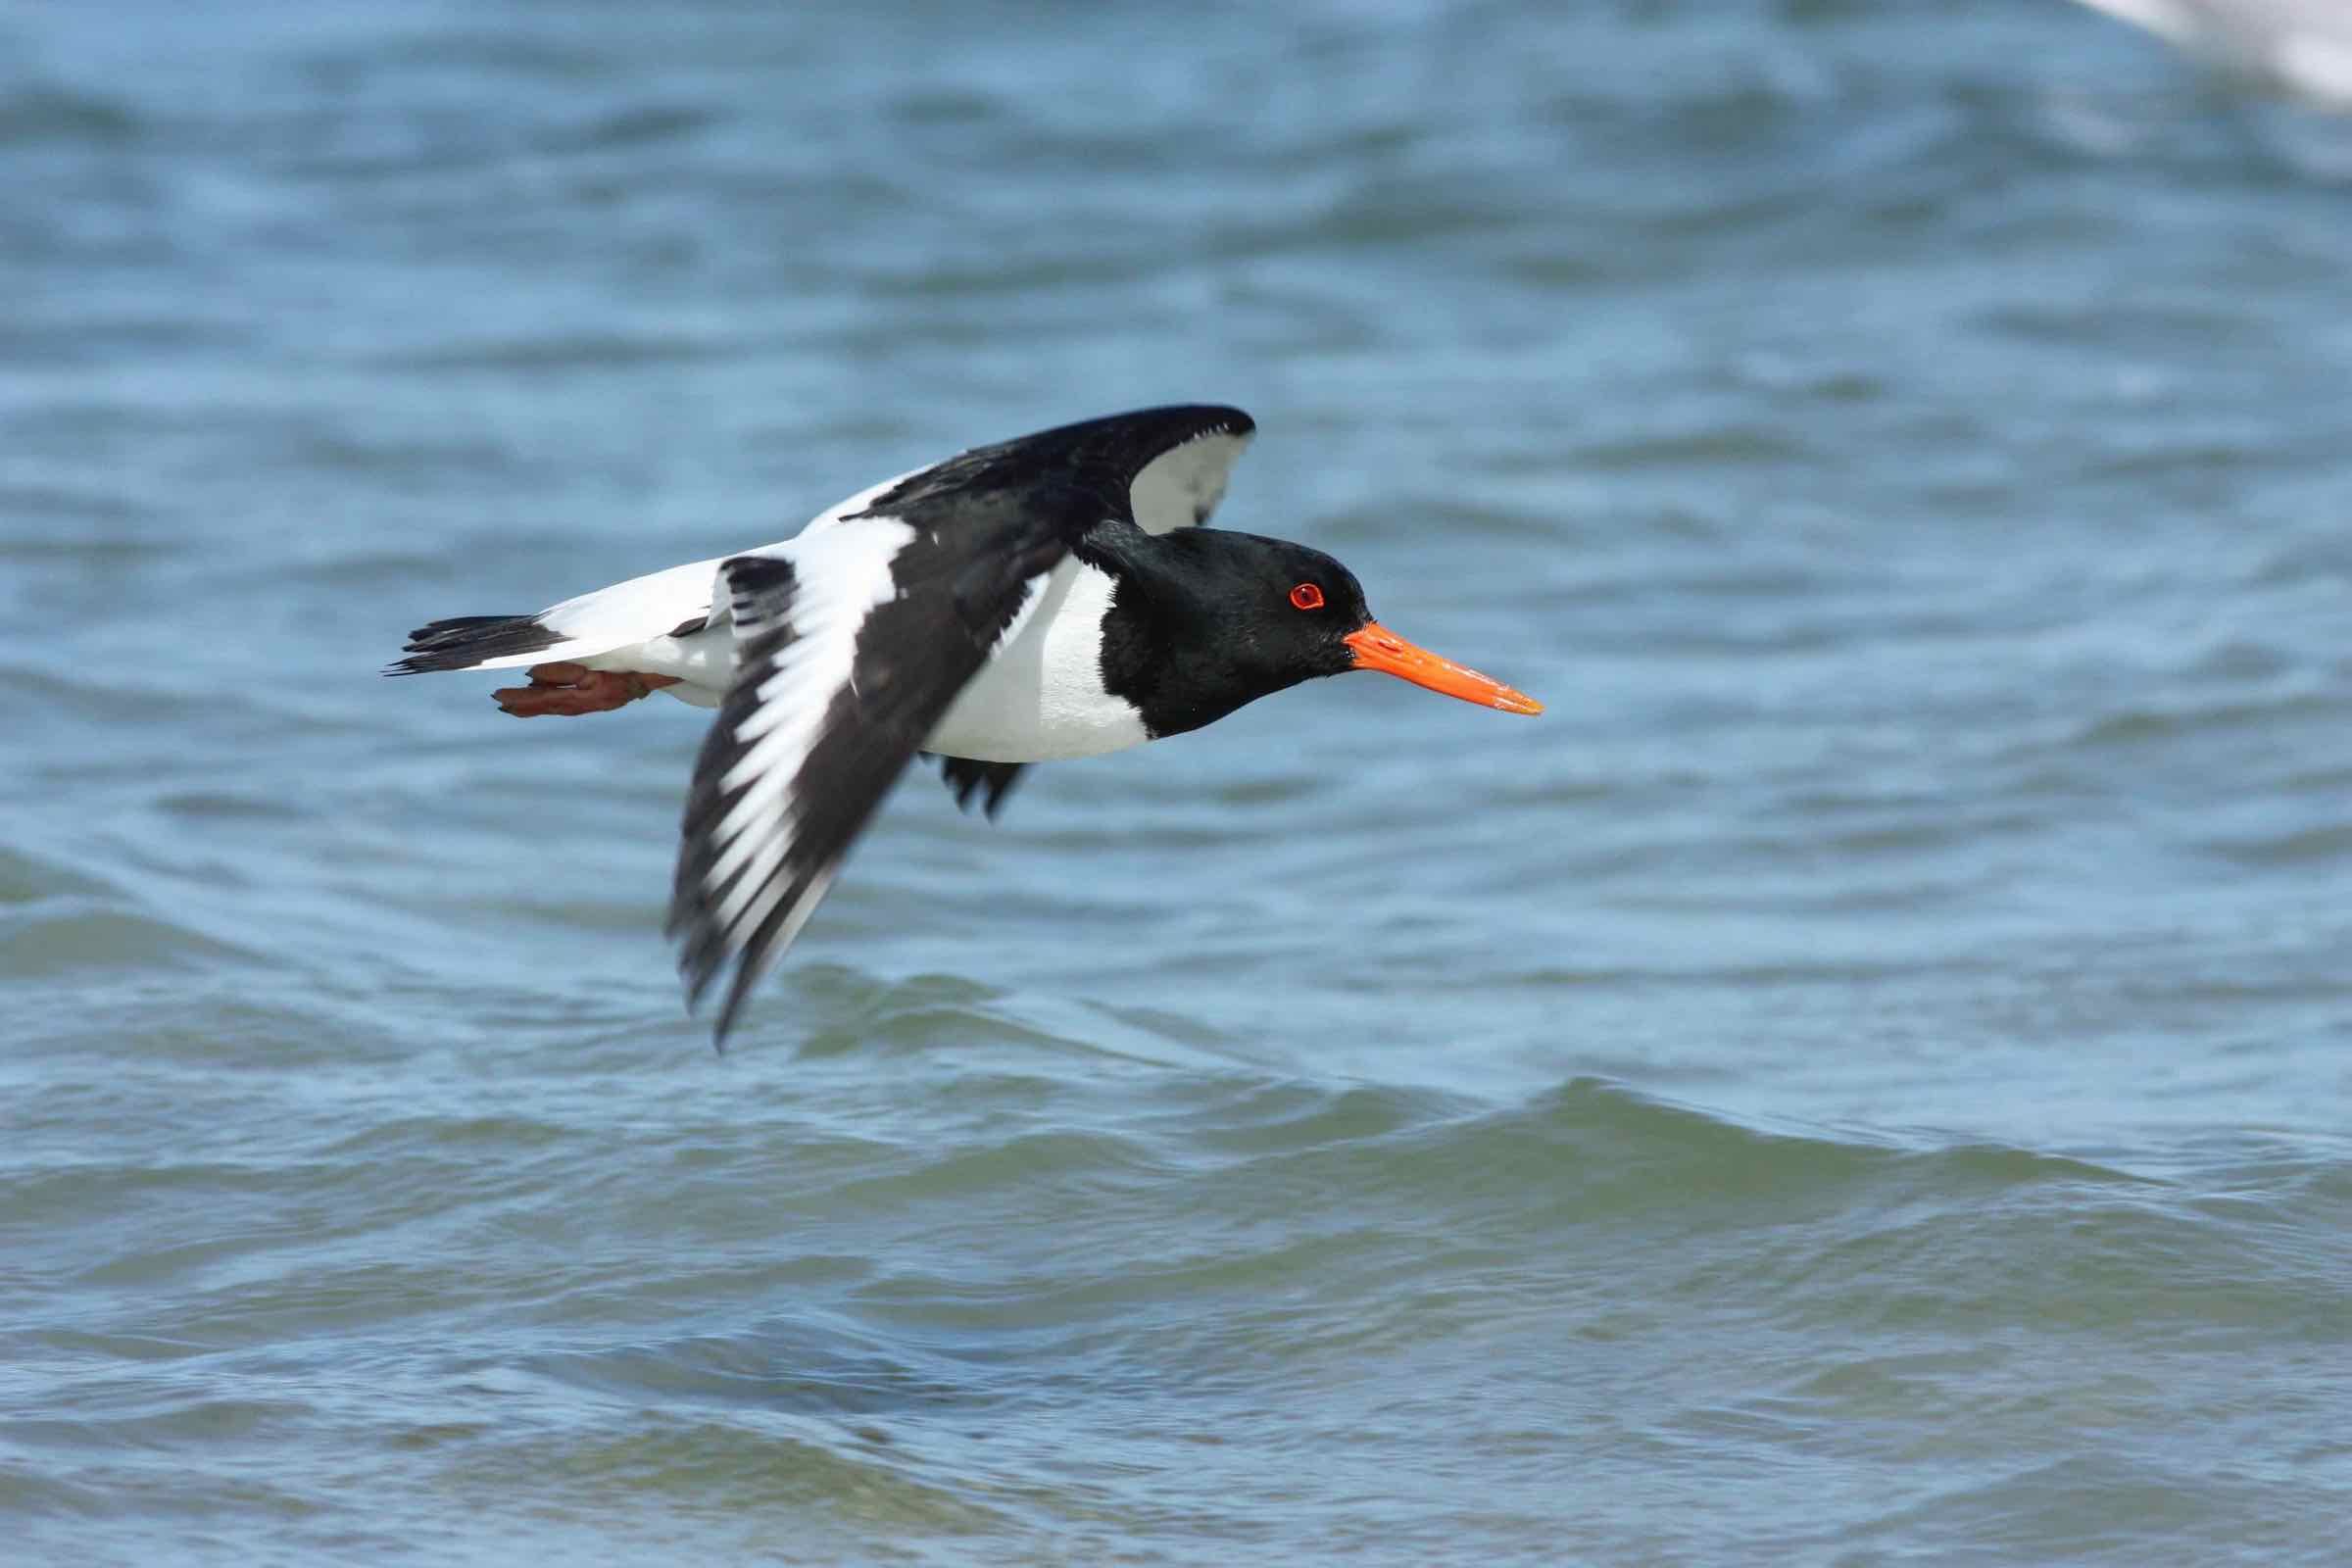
pixel 854 639
pixel 847 654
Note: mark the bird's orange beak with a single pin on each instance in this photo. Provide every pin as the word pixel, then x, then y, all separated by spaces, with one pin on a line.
pixel 1378 647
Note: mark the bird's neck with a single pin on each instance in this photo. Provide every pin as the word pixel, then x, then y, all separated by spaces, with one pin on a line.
pixel 1168 645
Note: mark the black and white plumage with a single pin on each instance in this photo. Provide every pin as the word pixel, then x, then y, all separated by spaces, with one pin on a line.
pixel 1044 598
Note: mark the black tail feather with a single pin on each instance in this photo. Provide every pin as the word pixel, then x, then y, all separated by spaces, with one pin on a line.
pixel 464 640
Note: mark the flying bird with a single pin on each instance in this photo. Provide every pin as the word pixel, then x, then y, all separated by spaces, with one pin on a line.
pixel 1044 597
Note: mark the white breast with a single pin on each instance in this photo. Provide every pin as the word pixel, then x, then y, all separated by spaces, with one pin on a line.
pixel 1041 699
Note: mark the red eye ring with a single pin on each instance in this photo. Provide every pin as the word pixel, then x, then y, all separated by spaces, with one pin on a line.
pixel 1307 596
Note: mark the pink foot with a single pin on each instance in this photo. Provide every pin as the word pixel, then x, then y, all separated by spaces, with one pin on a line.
pixel 567 688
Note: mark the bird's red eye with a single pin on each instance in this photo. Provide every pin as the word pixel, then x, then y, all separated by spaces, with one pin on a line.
pixel 1307 596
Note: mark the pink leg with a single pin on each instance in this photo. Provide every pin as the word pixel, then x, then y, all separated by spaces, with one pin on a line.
pixel 567 688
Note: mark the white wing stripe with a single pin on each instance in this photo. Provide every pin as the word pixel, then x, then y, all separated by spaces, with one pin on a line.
pixel 841 575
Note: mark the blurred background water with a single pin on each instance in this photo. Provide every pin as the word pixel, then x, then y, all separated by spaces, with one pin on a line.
pixel 1862 1079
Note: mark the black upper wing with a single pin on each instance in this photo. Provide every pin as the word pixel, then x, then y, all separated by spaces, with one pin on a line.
pixel 1156 468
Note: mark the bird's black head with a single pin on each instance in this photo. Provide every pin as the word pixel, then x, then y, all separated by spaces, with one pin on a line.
pixel 1205 620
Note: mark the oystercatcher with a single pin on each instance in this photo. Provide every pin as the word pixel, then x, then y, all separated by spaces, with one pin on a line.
pixel 1044 597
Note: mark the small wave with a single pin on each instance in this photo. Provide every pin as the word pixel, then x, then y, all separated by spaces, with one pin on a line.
pixel 847 1014
pixel 2309 844
pixel 1068 1163
pixel 27 879
pixel 754 1471
pixel 1631 1144
pixel 1256 1117
pixel 55 114
pixel 2132 727
pixel 641 125
pixel 221 806
pixel 79 936
pixel 813 1365
pixel 1588 1153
